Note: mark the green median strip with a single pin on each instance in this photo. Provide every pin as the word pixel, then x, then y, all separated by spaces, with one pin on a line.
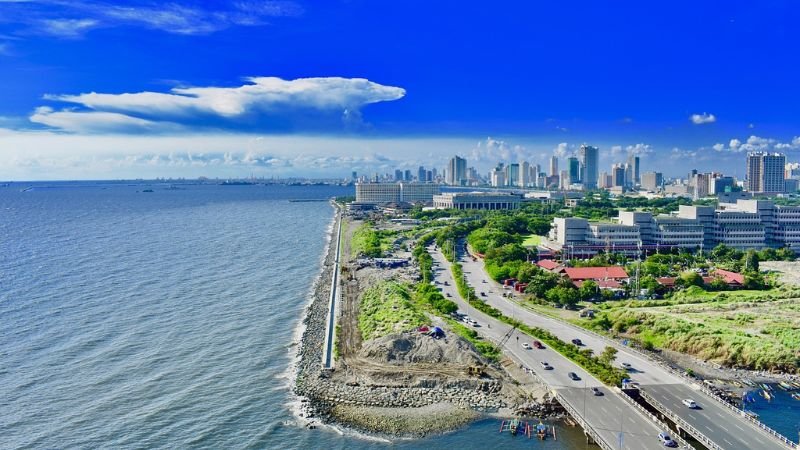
pixel 598 366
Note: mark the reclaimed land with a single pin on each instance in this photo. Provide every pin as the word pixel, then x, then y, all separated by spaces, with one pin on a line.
pixel 389 378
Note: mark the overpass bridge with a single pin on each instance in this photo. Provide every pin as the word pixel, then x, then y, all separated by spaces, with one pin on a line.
pixel 717 424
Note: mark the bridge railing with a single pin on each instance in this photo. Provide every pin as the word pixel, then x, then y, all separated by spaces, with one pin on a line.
pixel 591 432
pixel 688 380
pixel 680 422
pixel 654 418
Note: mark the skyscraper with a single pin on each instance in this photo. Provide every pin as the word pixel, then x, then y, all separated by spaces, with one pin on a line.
pixel 765 172
pixel 574 167
pixel 589 158
pixel 524 174
pixel 457 171
pixel 512 174
pixel 553 165
pixel 421 174
pixel 633 161
pixel 398 175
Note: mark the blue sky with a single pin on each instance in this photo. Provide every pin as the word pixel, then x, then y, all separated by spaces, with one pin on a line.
pixel 94 89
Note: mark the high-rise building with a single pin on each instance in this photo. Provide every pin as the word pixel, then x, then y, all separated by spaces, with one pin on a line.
pixel 354 176
pixel 512 174
pixel 407 175
pixel 553 165
pixel 618 175
pixel 574 167
pixel 589 157
pixel 524 174
pixel 633 161
pixel 563 181
pixel 765 172
pixel 498 177
pixel 398 175
pixel 421 174
pixel 457 171
pixel 652 181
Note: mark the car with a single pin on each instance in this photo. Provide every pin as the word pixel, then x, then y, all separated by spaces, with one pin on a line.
pixel 475 324
pixel 484 281
pixel 577 342
pixel 526 346
pixel 538 345
pixel 666 439
pixel 596 391
pixel 689 403
pixel 627 366
pixel 448 294
pixel 483 294
pixel 573 376
pixel 446 283
pixel 546 366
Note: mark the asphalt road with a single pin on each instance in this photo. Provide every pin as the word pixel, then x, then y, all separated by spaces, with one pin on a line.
pixel 718 423
pixel 608 414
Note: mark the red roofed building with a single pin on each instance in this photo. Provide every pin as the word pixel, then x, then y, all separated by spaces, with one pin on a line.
pixel 549 264
pixel 596 273
pixel 732 278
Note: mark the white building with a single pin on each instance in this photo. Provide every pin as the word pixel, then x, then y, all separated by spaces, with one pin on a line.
pixel 376 193
pixel 476 200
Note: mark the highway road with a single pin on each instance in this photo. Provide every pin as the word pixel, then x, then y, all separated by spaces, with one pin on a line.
pixel 609 415
pixel 720 424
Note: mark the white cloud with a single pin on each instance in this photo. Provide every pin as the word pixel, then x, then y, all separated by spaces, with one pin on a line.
pixel 796 141
pixel 700 119
pixel 93 121
pixel 262 92
pixel 66 28
pixel 639 149
pixel 262 95
pixel 73 18
pixel 735 144
pixel 562 150
pixel 718 147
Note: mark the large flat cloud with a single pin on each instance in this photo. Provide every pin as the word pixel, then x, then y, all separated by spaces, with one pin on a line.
pixel 270 96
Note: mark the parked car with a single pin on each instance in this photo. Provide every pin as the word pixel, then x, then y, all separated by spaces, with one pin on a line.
pixel 448 294
pixel 526 346
pixel 689 403
pixel 577 342
pixel 596 391
pixel 483 294
pixel 546 366
pixel 573 376
pixel 666 439
pixel 538 345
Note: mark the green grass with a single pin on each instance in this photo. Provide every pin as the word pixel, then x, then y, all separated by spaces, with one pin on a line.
pixel 532 240
pixel 750 329
pixel 387 308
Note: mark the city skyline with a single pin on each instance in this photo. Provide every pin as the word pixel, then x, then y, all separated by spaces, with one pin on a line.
pixel 137 90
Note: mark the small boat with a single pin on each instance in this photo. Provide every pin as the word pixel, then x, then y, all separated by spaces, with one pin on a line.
pixel 516 426
pixel 766 394
pixel 795 396
pixel 541 431
pixel 786 386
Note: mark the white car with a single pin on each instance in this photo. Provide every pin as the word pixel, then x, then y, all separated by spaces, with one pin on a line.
pixel 546 366
pixel 526 346
pixel 689 403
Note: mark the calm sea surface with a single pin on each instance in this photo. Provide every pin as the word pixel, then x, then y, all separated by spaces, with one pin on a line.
pixel 165 319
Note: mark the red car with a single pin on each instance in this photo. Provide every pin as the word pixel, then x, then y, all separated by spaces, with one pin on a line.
pixel 538 344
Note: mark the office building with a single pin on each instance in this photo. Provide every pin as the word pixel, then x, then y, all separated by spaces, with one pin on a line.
pixel 421 177
pixel 633 162
pixel 457 171
pixel 589 159
pixel 512 174
pixel 553 165
pixel 617 176
pixel 652 181
pixel 574 168
pixel 377 193
pixel 524 174
pixel 498 177
pixel 765 173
